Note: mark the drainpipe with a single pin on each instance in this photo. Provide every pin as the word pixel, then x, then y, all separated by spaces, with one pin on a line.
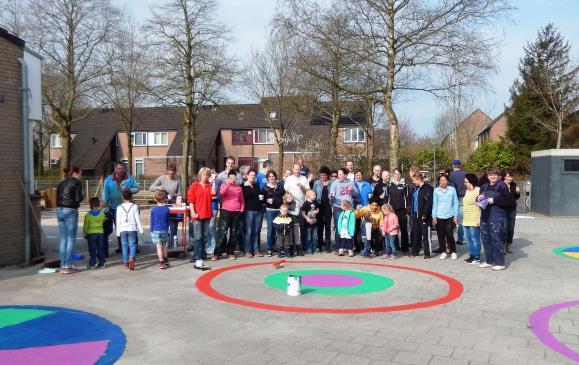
pixel 26 144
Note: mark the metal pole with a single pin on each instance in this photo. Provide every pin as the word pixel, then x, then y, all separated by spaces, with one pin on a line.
pixel 26 144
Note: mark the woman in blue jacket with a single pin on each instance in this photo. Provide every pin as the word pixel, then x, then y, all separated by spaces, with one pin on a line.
pixel 445 216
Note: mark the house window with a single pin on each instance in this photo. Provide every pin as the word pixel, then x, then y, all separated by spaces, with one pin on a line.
pixel 55 141
pixel 54 162
pixel 263 136
pixel 139 167
pixel 241 137
pixel 139 139
pixel 157 139
pixel 260 161
pixel 272 115
pixel 354 135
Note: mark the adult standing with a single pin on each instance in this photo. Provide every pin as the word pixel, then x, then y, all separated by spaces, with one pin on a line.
pixel 324 217
pixel 471 219
pixel 397 198
pixel 304 170
pixel 68 198
pixel 511 209
pixel 273 194
pixel 380 192
pixel 457 179
pixel 210 248
pixel 229 166
pixel 445 216
pixel 493 220
pixel 376 176
pixel 420 202
pixel 113 188
pixel 199 197
pixel 296 184
pixel 252 216
pixel 171 185
pixel 350 168
pixel 262 181
pixel 232 207
pixel 363 190
pixel 342 189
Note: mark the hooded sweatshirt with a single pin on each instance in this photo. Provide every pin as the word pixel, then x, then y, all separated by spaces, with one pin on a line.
pixel 93 222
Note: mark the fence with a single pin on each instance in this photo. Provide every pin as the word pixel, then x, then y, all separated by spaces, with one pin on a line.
pixel 89 187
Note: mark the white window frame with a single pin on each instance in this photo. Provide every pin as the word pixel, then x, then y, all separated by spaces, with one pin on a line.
pixel 142 162
pixel 54 161
pixel 352 135
pixel 55 141
pixel 143 140
pixel 270 136
pixel 152 136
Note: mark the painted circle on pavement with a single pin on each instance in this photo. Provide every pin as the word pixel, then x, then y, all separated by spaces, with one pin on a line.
pixel 331 282
pixel 569 252
pixel 539 324
pixel 54 335
pixel 204 284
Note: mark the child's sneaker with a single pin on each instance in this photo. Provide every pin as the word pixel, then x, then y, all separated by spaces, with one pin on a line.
pixel 385 256
pixel 340 252
pixel 131 264
pixel 90 267
pixel 443 256
pixel 281 254
pixel 103 266
pixel 166 261
pixel 269 253
pixel 453 256
pixel 393 257
pixel 162 265
pixel 350 253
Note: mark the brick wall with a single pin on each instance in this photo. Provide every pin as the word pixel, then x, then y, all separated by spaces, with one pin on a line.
pixel 11 193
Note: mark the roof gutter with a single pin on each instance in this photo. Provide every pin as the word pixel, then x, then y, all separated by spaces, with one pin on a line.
pixel 26 156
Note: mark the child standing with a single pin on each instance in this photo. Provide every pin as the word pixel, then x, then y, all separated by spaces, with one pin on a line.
pixel 309 211
pixel 366 233
pixel 390 231
pixel 294 212
pixel 93 231
pixel 160 216
pixel 128 224
pixel 347 229
pixel 283 225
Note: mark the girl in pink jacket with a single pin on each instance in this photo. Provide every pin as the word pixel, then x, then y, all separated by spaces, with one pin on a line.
pixel 389 231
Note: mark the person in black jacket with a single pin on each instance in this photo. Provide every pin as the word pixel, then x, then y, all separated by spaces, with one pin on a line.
pixel 381 189
pixel 511 209
pixel 273 194
pixel 69 196
pixel 398 198
pixel 420 204
pixel 254 200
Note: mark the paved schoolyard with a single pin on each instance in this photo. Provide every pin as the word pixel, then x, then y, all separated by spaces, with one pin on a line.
pixel 167 320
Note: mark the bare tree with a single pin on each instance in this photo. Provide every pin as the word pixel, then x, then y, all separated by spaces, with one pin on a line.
pixel 12 16
pixel 272 78
pixel 127 81
pixel 412 42
pixel 71 35
pixel 192 64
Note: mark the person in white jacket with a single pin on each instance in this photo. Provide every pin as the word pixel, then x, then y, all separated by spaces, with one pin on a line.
pixel 128 223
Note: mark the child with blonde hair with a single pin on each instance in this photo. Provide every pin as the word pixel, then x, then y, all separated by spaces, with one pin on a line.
pixel 389 231
pixel 309 212
pixel 346 228
pixel 294 212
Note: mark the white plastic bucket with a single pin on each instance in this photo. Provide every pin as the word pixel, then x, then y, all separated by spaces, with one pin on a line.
pixel 294 285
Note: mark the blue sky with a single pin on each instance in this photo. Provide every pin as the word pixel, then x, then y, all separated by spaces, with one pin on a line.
pixel 248 20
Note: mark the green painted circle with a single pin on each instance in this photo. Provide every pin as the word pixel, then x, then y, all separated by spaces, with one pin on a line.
pixel 559 251
pixel 371 282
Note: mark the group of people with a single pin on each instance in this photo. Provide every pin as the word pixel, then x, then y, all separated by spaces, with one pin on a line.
pixel 339 211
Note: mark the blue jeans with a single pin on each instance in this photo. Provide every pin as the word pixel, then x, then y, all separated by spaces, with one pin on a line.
pixel 270 216
pixel 96 248
pixel 459 230
pixel 472 235
pixel 210 248
pixel 390 244
pixel 252 220
pixel 336 214
pixel 173 230
pixel 129 245
pixel 492 234
pixel 201 237
pixel 67 228
pixel 311 239
pixel 367 246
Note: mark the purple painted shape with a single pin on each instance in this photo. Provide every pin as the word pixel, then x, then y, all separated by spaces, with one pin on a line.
pixel 330 280
pixel 539 323
pixel 84 353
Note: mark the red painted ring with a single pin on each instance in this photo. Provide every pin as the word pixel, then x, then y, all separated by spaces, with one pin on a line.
pixel 455 290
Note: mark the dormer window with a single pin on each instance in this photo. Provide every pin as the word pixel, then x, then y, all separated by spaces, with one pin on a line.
pixel 272 115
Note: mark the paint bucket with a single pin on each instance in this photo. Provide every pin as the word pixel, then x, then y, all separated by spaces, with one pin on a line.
pixel 294 285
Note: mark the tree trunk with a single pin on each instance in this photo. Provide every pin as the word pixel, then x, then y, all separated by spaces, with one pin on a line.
pixel 392 119
pixel 184 168
pixel 193 149
pixel 336 112
pixel 280 150
pixel 65 150
pixel 130 154
pixel 559 131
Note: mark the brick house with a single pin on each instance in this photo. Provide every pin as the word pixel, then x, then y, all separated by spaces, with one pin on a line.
pixel 475 129
pixel 242 131
pixel 16 60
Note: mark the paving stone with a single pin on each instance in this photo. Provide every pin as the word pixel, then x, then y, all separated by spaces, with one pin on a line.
pixel 412 358
pixel 442 360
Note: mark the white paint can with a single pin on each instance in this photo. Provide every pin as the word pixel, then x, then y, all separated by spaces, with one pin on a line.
pixel 294 285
